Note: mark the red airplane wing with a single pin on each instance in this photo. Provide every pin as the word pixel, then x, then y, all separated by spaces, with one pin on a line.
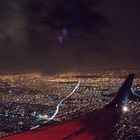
pixel 70 130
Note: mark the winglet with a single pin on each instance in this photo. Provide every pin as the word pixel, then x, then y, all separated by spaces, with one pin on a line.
pixel 121 97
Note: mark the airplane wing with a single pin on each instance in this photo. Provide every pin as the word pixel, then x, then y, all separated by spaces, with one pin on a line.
pixel 121 97
pixel 65 131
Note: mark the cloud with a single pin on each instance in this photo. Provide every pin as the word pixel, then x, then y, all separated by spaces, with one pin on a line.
pixel 75 14
pixel 29 31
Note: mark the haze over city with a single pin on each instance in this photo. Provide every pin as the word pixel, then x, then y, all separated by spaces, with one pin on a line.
pixel 52 37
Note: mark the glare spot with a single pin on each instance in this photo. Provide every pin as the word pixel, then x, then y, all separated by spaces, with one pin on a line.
pixel 60 39
pixel 125 109
pixel 64 32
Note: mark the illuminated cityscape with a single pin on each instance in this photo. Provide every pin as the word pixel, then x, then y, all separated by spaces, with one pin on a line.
pixel 27 100
pixel 69 70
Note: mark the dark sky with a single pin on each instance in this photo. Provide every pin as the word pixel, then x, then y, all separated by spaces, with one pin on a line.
pixel 69 35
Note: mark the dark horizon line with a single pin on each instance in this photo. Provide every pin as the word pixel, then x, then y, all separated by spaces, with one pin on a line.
pixel 72 71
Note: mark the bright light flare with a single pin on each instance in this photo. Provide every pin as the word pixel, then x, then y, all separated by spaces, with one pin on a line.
pixel 125 109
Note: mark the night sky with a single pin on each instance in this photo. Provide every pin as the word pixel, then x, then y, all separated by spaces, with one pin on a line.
pixel 54 36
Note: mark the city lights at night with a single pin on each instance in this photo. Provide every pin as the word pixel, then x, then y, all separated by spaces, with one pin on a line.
pixel 69 70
